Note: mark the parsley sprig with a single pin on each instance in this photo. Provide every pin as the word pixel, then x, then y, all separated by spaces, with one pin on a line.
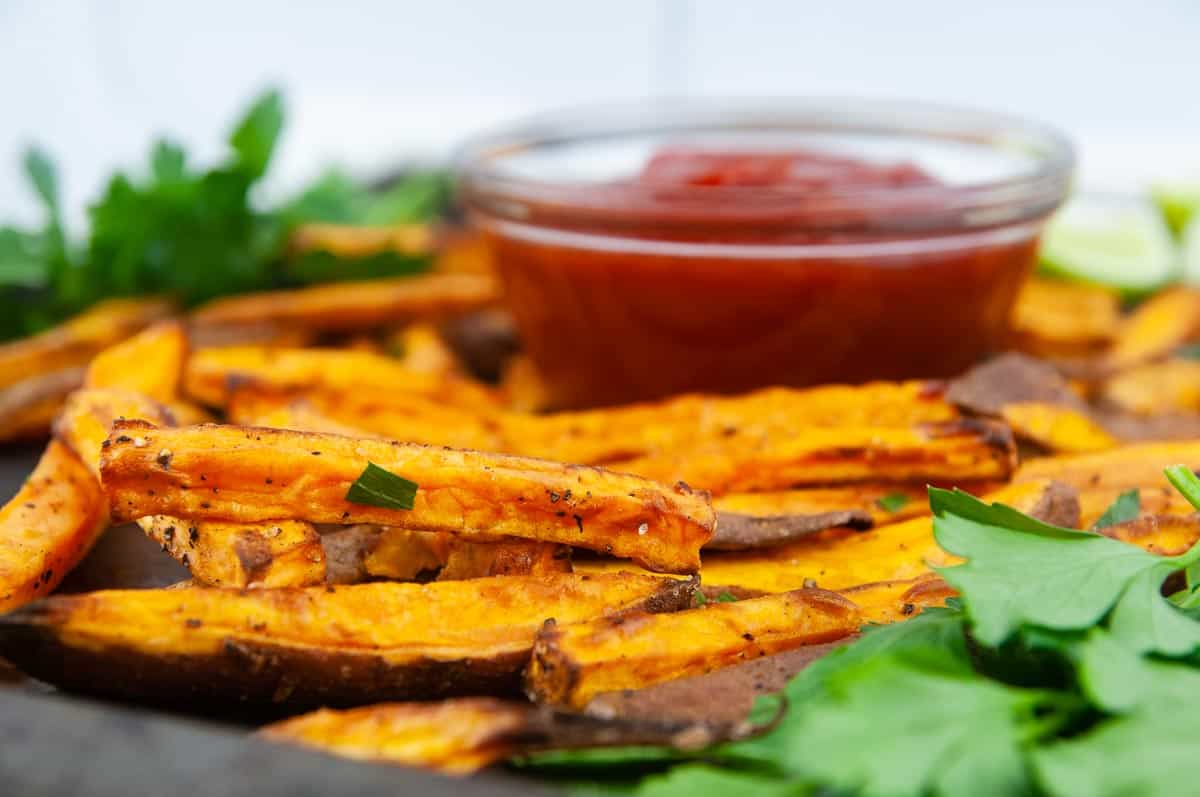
pixel 195 233
pixel 1061 670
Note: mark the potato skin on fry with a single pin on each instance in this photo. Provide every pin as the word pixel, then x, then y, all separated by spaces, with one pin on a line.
pixel 307 647
pixel 48 526
pixel 573 663
pixel 250 474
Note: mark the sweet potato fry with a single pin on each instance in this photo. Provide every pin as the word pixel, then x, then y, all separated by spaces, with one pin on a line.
pixel 623 433
pixel 1161 499
pixel 521 386
pixel 458 737
pixel 75 342
pixel 1063 430
pixel 212 375
pixel 277 554
pixel 573 663
pixel 1056 318
pixel 1035 400
pixel 895 601
pixel 151 362
pixel 840 559
pixel 408 418
pixel 285 553
pixel 1165 535
pixel 402 555
pixel 48 526
pixel 1123 468
pixel 966 449
pixel 252 474
pixel 1156 328
pixel 348 306
pixel 89 415
pixel 420 347
pixel 307 647
pixel 1156 388
pixel 504 558
pixel 455 737
pixel 28 408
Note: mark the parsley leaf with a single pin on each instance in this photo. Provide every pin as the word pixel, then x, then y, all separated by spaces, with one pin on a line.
pixel 1127 506
pixel 892 502
pixel 1147 752
pixel 1020 571
pixel 378 486
pixel 253 139
pixel 896 726
pixel 937 634
pixel 726 597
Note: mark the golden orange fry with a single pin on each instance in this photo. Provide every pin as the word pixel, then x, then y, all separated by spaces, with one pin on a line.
pixel 284 553
pixel 254 474
pixel 573 663
pixel 151 362
pixel 348 306
pixel 345 645
pixel 454 737
pixel 48 526
pixel 213 375
pixel 1058 318
pixel 1157 327
pixel 962 450
pixel 1155 388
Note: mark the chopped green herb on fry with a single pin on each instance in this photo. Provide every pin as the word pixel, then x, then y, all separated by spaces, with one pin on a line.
pixel 378 486
pixel 892 502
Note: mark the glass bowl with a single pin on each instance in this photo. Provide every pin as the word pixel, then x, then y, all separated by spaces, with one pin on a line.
pixel 627 284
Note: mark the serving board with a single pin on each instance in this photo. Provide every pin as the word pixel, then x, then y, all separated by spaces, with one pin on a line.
pixel 57 745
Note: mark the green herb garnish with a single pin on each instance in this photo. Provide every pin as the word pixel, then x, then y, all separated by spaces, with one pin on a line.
pixel 1184 480
pixel 377 486
pixel 892 502
pixel 194 234
pixel 1127 506
pixel 726 597
pixel 1061 670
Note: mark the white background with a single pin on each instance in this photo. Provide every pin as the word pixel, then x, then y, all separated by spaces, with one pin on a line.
pixel 370 84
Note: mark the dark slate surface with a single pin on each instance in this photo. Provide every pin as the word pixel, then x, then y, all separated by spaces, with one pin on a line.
pixel 53 745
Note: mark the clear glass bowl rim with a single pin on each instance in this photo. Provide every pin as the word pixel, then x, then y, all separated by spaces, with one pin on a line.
pixel 486 186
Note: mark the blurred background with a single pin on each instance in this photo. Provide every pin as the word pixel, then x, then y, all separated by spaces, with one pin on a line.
pixel 373 84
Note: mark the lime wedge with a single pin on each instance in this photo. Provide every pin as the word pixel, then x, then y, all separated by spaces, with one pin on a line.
pixel 1179 204
pixel 1120 242
pixel 1191 251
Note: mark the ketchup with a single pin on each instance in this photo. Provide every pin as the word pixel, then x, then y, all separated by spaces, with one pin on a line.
pixel 724 271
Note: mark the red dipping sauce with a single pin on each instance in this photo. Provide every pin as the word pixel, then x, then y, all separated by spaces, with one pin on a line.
pixel 726 265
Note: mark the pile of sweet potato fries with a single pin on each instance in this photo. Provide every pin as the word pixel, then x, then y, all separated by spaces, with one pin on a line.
pixel 561 579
